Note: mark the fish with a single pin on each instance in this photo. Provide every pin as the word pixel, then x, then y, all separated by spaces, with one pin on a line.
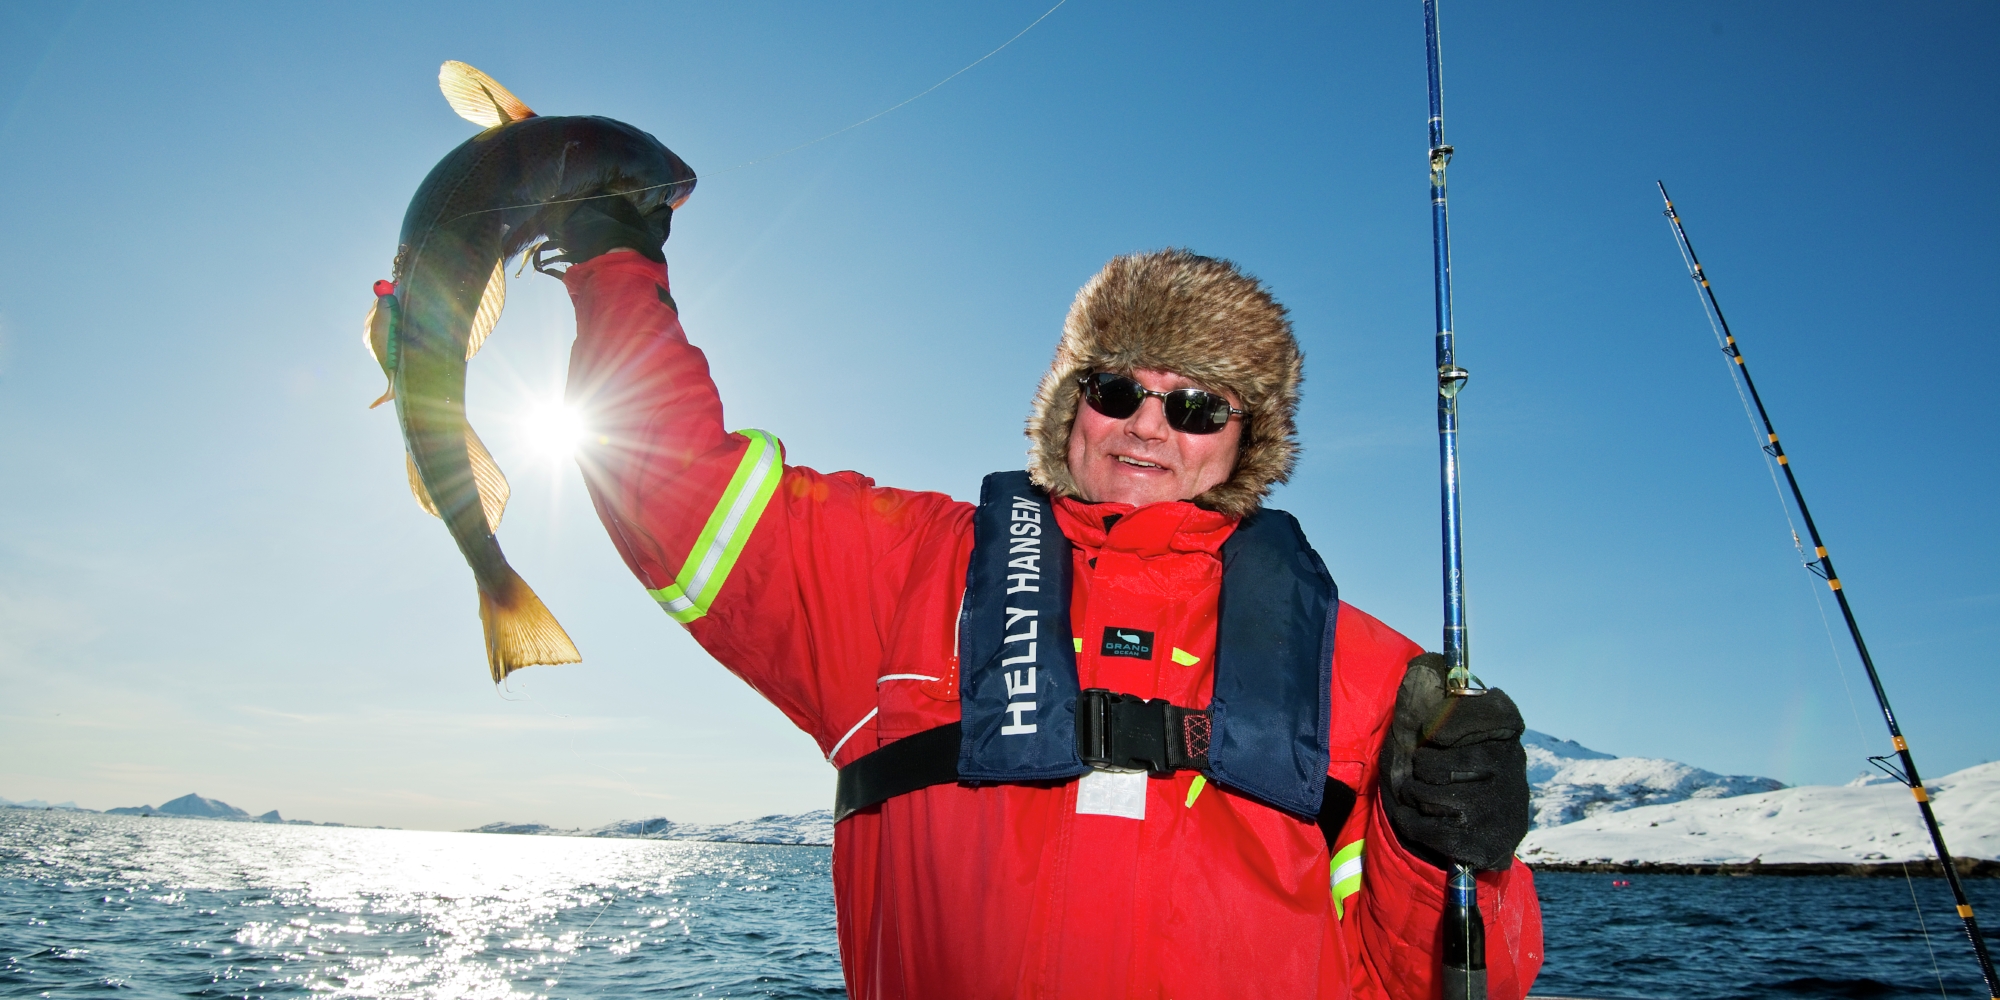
pixel 493 197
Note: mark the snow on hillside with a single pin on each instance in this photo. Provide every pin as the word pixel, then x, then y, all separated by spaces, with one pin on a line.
pixel 1570 781
pixel 814 827
pixel 1871 819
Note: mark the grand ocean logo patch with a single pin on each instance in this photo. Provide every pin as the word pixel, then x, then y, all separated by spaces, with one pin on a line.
pixel 1132 642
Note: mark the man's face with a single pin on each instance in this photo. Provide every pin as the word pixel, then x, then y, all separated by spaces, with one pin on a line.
pixel 1142 460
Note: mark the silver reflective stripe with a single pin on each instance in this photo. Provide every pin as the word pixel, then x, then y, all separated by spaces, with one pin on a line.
pixel 851 732
pixel 1345 867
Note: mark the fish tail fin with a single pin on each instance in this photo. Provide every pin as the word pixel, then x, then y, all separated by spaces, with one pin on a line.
pixel 520 630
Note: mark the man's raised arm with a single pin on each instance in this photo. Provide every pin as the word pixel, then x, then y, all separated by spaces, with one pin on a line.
pixel 769 566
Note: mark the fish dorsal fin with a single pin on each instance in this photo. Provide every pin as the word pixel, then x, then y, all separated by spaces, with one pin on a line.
pixel 490 303
pixel 479 98
pixel 486 474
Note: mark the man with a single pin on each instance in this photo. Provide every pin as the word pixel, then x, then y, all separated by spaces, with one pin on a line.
pixel 1109 733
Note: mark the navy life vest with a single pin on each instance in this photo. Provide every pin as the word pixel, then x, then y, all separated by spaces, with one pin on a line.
pixel 1266 725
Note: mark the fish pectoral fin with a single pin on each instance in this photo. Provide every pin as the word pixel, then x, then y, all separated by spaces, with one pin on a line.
pixel 371 341
pixel 520 630
pixel 417 485
pixel 479 98
pixel 487 315
pixel 492 483
pixel 375 333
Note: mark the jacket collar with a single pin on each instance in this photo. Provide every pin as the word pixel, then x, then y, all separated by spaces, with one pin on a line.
pixel 1154 529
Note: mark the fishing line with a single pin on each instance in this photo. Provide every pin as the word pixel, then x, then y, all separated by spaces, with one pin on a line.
pixel 907 100
pixel 1785 508
pixel 612 898
pixel 788 150
pixel 1822 567
pixel 1926 931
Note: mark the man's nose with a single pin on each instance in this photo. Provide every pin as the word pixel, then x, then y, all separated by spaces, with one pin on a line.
pixel 1150 423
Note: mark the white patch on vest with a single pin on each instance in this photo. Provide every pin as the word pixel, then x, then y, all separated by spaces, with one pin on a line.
pixel 1112 793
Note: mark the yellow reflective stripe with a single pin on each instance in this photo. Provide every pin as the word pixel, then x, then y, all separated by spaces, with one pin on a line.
pixel 1079 644
pixel 727 531
pixel 1346 871
pixel 1185 658
pixel 1194 788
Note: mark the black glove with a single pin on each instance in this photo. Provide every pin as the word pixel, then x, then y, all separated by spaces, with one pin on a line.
pixel 1454 776
pixel 597 225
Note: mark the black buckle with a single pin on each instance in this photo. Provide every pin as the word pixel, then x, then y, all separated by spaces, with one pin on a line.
pixel 1129 733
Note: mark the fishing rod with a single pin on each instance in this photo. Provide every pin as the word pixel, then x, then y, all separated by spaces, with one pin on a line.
pixel 1822 567
pixel 1464 957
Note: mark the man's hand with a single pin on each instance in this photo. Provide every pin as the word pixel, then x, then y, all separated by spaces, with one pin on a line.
pixel 1454 775
pixel 598 225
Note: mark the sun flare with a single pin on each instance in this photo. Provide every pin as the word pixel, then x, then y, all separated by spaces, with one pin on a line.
pixel 554 429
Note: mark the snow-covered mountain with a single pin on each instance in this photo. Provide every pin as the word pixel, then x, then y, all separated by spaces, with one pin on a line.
pixel 1570 781
pixel 1868 820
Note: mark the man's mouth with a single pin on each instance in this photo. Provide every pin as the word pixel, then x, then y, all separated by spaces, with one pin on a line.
pixel 1129 460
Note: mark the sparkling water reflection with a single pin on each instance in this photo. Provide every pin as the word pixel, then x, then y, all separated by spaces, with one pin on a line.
pixel 91 905
pixel 94 906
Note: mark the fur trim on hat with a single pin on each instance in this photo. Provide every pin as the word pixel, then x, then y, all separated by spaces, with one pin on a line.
pixel 1198 317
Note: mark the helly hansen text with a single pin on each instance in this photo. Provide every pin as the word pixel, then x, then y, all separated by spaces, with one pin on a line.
pixel 1018 670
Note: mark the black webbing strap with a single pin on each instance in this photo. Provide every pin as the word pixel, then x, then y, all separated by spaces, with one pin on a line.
pixel 1112 730
pixel 916 761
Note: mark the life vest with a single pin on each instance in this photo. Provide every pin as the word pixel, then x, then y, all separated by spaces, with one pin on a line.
pixel 1023 717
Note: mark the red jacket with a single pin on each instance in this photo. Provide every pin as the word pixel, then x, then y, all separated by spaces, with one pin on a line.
pixel 838 600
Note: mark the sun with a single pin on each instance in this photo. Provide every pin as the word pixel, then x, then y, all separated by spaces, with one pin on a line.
pixel 554 429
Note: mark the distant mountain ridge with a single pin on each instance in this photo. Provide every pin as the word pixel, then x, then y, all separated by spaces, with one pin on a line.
pixel 39 804
pixel 1590 809
pixel 189 806
pixel 1568 781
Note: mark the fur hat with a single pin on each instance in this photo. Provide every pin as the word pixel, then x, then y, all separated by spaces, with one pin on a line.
pixel 1198 317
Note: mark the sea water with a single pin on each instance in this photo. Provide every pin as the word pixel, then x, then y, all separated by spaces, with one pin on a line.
pixel 110 906
pixel 104 906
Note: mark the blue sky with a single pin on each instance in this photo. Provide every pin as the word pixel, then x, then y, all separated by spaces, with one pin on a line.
pixel 212 577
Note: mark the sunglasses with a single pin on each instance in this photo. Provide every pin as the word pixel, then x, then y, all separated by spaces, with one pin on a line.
pixel 1190 411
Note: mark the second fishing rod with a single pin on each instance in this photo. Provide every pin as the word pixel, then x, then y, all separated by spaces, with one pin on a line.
pixel 1463 963
pixel 1822 566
